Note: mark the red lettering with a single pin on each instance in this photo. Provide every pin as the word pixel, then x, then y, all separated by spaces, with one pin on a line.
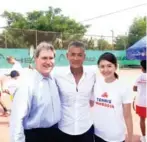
pixel 105 105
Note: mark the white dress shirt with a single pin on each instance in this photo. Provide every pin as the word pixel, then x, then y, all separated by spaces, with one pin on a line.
pixel 75 113
pixel 36 105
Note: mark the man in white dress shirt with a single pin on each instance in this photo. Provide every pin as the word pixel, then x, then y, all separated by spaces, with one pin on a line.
pixel 76 88
pixel 36 105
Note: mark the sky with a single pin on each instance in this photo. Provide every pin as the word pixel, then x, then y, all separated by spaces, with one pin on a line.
pixel 84 9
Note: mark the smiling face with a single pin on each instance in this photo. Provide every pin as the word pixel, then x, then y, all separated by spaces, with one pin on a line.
pixel 107 69
pixel 76 56
pixel 45 62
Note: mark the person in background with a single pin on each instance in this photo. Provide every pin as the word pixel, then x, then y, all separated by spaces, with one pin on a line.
pixel 10 86
pixel 36 106
pixel 76 88
pixel 30 67
pixel 6 112
pixel 16 65
pixel 141 102
pixel 112 103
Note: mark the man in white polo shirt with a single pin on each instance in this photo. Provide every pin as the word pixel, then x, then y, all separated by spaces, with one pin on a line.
pixel 76 88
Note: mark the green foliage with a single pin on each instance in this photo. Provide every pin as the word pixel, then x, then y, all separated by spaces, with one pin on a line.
pixel 52 22
pixel 52 26
pixel 104 45
pixel 137 30
pixel 121 42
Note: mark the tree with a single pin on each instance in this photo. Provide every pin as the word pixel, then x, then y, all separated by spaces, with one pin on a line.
pixel 103 45
pixel 47 25
pixel 121 42
pixel 137 30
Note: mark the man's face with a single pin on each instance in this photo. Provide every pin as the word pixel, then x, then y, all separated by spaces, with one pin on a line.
pixel 76 56
pixel 45 62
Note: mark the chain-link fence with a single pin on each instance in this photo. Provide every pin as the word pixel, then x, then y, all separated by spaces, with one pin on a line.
pixel 22 38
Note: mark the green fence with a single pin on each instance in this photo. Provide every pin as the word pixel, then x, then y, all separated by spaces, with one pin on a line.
pixel 92 56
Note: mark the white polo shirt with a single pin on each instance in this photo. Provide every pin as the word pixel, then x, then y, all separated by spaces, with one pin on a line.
pixel 11 85
pixel 141 89
pixel 16 66
pixel 75 112
pixel 108 116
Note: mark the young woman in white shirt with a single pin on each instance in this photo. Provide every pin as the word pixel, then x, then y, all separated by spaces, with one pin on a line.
pixel 112 104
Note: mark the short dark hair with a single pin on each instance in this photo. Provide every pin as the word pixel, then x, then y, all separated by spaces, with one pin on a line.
pixel 77 44
pixel 109 57
pixel 14 73
pixel 143 64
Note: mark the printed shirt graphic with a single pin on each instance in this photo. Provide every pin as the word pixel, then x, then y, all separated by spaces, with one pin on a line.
pixel 108 110
pixel 141 89
pixel 104 101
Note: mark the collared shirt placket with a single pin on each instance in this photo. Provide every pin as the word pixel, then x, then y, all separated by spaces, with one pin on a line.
pixel 76 112
pixel 77 103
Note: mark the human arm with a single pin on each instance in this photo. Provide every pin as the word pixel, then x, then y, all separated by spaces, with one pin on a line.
pixel 91 101
pixel 20 110
pixel 128 120
pixel 136 84
pixel 127 99
pixel 135 88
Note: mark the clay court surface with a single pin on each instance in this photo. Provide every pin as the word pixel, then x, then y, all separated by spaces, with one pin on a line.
pixel 127 75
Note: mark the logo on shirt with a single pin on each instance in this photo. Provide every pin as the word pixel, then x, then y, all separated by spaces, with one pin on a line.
pixel 104 101
pixel 105 95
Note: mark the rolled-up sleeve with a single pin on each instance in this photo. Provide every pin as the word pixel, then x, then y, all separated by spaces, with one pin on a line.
pixel 20 110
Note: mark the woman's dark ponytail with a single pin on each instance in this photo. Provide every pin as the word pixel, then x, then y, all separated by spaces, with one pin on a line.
pixel 116 75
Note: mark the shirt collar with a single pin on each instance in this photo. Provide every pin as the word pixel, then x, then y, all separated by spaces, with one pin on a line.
pixel 40 76
pixel 68 71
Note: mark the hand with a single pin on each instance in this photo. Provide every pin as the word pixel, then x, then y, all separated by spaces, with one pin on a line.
pixel 6 91
pixel 129 139
pixel 91 103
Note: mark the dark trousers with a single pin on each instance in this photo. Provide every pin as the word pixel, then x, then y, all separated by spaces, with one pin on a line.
pixel 86 137
pixel 42 134
pixel 98 139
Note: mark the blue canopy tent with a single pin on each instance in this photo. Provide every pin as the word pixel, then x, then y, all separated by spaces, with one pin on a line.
pixel 138 50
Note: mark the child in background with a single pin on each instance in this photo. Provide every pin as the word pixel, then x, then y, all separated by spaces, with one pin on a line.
pixel 3 106
pixel 6 112
pixel 141 104
pixel 11 85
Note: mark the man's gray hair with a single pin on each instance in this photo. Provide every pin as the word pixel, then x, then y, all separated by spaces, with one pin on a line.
pixel 77 44
pixel 44 46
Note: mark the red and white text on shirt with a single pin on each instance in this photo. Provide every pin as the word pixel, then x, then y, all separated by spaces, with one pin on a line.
pixel 104 102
